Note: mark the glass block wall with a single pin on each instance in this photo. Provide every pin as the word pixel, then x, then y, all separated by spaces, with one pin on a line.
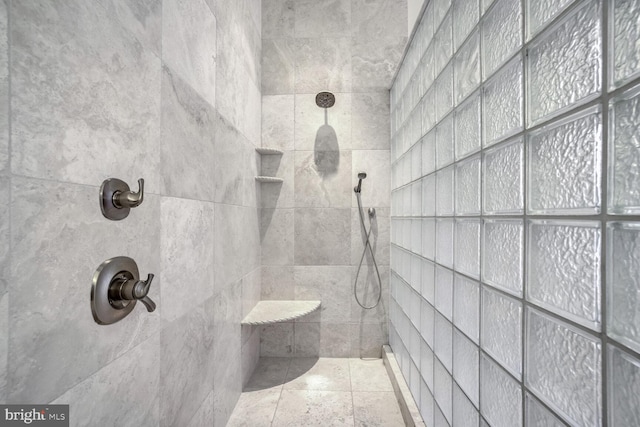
pixel 515 277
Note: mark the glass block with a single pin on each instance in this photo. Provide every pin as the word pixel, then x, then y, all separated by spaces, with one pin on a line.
pixel 443 384
pixel 439 419
pixel 466 306
pixel 429 153
pixel 484 5
pixel 427 74
pixel 564 64
pixel 537 415
pixel 426 405
pixel 503 103
pixel 464 413
pixel 427 321
pixel 467 247
pixel 564 164
pixel 624 30
pixel 465 16
pixel 623 283
pixel 443 44
pixel 467 127
pixel 416 198
pixel 429 238
pixel 416 236
pixel 467 67
pixel 444 291
pixel 429 109
pixel 465 366
pixel 503 170
pixel 415 381
pixel 502 255
pixel 502 330
pixel 563 368
pixel 624 153
pixel 468 186
pixel 426 364
pixel 429 195
pixel 444 341
pixel 444 242
pixel 416 161
pixel 564 269
pixel 415 303
pixel 428 287
pixel 501 35
pixel 444 142
pixel 624 388
pixel 444 190
pixel 501 395
pixel 444 92
pixel 541 12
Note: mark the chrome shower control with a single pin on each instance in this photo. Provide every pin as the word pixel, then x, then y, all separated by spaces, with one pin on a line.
pixel 115 289
pixel 117 199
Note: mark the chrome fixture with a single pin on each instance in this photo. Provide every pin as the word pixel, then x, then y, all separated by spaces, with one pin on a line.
pixel 115 289
pixel 325 100
pixel 367 244
pixel 117 199
pixel 361 176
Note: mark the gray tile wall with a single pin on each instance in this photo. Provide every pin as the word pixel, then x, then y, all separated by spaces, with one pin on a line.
pixel 309 227
pixel 169 91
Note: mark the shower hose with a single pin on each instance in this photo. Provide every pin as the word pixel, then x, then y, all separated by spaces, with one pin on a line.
pixel 364 251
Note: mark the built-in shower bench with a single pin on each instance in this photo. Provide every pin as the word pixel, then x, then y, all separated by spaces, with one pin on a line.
pixel 266 312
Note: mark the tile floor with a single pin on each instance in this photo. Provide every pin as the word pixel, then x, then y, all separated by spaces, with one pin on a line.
pixel 302 392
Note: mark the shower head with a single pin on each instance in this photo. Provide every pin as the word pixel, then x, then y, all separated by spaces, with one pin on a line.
pixel 361 176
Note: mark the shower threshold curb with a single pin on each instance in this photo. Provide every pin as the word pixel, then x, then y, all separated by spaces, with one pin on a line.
pixel 408 407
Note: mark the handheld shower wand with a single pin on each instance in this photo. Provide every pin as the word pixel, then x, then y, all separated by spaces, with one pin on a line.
pixel 361 176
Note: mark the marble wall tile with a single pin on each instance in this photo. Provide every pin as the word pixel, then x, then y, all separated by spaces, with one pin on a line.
pixel 379 237
pixel 204 415
pixel 277 236
pixel 278 121
pixel 370 121
pixel 323 19
pixel 331 285
pixel 367 289
pixel 278 66
pixel 367 339
pixel 250 354
pixel 311 121
pixel 278 195
pixel 335 340
pixel 322 64
pixel 236 244
pixel 4 88
pixel 251 290
pixel 186 364
pixel 379 19
pixel 320 178
pixel 306 339
pixel 143 18
pixel 227 381
pixel 189 44
pixel 376 189
pixel 278 283
pixel 78 113
pixel 123 393
pixel 187 148
pixel 186 274
pixel 4 345
pixel 319 236
pixel 56 247
pixel 276 340
pixel 374 62
pixel 278 18
pixel 5 236
pixel 236 164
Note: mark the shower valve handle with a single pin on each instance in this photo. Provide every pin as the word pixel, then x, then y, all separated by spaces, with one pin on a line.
pixel 129 199
pixel 124 289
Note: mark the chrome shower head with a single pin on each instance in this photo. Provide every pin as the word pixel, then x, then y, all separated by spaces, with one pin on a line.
pixel 361 176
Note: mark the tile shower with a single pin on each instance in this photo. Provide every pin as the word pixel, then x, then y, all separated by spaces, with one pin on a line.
pixel 515 201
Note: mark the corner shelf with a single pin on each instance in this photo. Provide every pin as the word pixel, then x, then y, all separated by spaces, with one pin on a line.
pixel 271 179
pixel 267 312
pixel 269 151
